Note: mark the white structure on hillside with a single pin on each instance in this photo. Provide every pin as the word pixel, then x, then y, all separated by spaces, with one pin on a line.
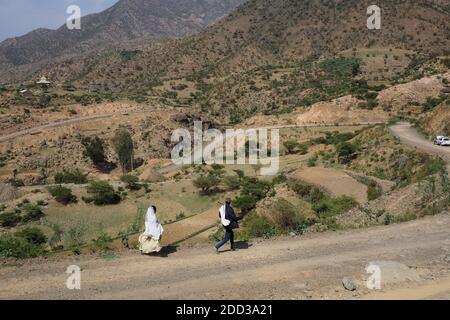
pixel 43 81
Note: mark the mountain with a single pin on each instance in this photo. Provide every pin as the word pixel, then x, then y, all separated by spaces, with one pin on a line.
pixel 271 56
pixel 126 20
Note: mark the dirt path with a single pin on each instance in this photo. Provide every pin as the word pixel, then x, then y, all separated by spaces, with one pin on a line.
pixel 64 123
pixel 311 266
pixel 409 136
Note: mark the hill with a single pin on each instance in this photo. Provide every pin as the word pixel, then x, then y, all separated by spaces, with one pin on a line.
pixel 126 20
pixel 272 56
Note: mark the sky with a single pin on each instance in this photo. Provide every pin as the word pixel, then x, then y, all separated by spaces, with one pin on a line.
pixel 18 17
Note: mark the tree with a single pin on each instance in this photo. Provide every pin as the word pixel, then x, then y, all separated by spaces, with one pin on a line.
pixel 102 193
pixel 94 149
pixel 207 182
pixel 123 144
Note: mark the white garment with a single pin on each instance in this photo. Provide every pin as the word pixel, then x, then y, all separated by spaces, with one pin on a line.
pixel 152 226
pixel 225 222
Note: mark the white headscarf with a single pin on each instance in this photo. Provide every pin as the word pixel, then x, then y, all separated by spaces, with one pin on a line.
pixel 152 226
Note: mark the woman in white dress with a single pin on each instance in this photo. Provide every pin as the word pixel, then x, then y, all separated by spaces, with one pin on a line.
pixel 149 240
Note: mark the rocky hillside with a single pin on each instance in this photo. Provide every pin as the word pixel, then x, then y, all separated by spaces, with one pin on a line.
pixel 271 56
pixel 126 20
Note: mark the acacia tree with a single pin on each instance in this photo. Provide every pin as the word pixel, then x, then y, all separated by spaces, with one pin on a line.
pixel 123 145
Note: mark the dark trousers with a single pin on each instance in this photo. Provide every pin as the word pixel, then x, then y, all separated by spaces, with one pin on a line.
pixel 229 235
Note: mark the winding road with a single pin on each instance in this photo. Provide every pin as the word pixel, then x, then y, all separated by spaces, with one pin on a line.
pixel 409 136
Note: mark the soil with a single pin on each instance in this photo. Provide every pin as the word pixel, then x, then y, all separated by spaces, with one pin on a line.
pixel 307 267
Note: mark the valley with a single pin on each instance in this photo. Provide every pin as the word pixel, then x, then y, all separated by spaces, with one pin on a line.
pixel 87 122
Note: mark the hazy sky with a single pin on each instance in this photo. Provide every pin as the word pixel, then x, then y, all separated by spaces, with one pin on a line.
pixel 18 17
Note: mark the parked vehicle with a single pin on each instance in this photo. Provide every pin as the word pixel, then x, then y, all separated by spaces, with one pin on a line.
pixel 445 142
pixel 440 139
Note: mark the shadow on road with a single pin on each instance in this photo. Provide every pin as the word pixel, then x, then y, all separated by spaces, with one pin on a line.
pixel 164 253
pixel 239 245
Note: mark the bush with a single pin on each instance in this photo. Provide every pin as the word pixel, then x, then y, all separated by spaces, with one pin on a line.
pixel 252 191
pixel 32 235
pixel 9 219
pixel 346 151
pixel 63 195
pixel 131 181
pixel 257 226
pixel 102 193
pixel 19 248
pixel 330 207
pixel 294 147
pixel 373 191
pixel 286 216
pixel 32 212
pixel 312 162
pixel 71 176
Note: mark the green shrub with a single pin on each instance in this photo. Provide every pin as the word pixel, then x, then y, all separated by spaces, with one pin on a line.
pixel 9 219
pixel 306 191
pixel 63 195
pixel 257 226
pixel 19 248
pixel 294 147
pixel 252 191
pixel 32 212
pixel 286 216
pixel 102 193
pixel 330 207
pixel 346 151
pixel 131 181
pixel 71 176
pixel 32 235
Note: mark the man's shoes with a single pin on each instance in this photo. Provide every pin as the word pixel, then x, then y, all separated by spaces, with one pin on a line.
pixel 233 249
pixel 216 250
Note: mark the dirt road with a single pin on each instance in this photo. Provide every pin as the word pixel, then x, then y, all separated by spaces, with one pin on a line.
pixel 311 266
pixel 409 136
pixel 64 123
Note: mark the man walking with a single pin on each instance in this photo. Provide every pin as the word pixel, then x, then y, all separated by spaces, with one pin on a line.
pixel 229 222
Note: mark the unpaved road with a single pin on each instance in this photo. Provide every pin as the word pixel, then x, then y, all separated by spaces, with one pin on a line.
pixel 409 136
pixel 311 266
pixel 64 123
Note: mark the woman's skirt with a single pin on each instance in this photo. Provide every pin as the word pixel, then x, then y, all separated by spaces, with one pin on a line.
pixel 148 244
